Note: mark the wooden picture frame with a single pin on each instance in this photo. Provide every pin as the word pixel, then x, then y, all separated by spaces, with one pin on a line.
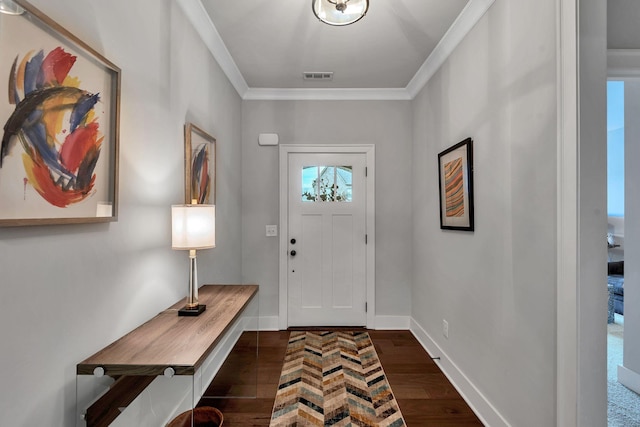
pixel 199 165
pixel 455 177
pixel 60 119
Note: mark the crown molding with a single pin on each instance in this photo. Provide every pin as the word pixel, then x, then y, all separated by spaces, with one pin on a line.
pixel 199 18
pixel 464 23
pixel 328 94
pixel 623 63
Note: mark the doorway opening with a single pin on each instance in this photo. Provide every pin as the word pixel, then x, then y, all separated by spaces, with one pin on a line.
pixel 623 404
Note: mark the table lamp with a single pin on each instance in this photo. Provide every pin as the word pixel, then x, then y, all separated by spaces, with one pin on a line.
pixel 193 227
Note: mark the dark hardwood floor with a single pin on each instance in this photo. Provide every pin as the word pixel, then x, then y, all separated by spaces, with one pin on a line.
pixel 425 396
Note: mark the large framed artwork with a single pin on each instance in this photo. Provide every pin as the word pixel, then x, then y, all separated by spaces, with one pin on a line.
pixel 60 118
pixel 200 166
pixel 455 172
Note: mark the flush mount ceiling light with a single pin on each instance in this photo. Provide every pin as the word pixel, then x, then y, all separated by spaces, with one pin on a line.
pixel 339 12
pixel 8 7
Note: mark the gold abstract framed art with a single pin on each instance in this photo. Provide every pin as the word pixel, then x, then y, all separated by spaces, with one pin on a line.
pixel 455 173
pixel 199 166
pixel 60 119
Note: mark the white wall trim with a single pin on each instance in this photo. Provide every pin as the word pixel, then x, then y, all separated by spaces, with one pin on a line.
pixel 567 214
pixel 470 15
pixel 464 23
pixel 199 18
pixel 393 323
pixel 328 94
pixel 623 63
pixel 269 323
pixel 166 397
pixel 629 378
pixel 480 405
pixel 214 361
pixel 369 151
pixel 159 402
pixel 382 323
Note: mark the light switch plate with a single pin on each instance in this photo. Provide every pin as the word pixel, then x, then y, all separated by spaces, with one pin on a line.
pixel 272 230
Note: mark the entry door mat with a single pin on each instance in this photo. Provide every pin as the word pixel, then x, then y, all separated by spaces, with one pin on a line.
pixel 334 379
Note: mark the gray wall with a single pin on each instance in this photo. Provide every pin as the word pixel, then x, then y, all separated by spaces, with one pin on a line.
pixel 387 124
pixel 496 286
pixel 622 28
pixel 67 291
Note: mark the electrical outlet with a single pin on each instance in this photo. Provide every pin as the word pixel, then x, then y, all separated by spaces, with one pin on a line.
pixel 272 230
pixel 445 328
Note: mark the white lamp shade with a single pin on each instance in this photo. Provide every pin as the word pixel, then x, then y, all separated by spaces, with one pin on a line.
pixel 340 12
pixel 193 226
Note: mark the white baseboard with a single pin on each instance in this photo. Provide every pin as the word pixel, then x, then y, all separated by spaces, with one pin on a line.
pixel 215 360
pixel 160 402
pixel 269 323
pixel 165 397
pixel 392 322
pixel 628 378
pixel 487 413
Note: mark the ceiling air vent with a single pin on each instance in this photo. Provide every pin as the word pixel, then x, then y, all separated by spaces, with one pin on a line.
pixel 315 75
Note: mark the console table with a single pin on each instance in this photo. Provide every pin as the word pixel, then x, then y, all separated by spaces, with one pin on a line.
pixel 167 345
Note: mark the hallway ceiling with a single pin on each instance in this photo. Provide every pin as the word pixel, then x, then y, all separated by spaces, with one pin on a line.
pixel 274 41
pixel 265 46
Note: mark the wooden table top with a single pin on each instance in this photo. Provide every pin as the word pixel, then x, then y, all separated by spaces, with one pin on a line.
pixel 169 340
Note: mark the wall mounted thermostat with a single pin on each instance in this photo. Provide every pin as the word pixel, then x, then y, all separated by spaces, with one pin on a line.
pixel 268 139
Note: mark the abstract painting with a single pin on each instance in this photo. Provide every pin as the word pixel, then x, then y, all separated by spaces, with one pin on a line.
pixel 58 153
pixel 200 166
pixel 455 168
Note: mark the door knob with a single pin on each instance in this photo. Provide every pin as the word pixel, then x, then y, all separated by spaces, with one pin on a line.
pixel 293 241
pixel 292 253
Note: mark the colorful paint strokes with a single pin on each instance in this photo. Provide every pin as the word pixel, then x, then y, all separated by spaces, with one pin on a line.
pixel 56 124
pixel 454 189
pixel 200 180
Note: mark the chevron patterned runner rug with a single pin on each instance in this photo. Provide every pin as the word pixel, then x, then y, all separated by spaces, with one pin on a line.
pixel 333 379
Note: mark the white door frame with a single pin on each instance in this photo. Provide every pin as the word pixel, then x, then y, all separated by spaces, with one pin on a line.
pixel 567 372
pixel 578 391
pixel 369 151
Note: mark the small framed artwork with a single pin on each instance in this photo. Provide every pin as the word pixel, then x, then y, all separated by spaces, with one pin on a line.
pixel 60 124
pixel 455 172
pixel 200 166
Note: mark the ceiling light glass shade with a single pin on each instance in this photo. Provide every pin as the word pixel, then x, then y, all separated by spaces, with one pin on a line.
pixel 339 12
pixel 8 7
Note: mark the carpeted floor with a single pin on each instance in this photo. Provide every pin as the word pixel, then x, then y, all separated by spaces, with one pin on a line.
pixel 624 404
pixel 334 379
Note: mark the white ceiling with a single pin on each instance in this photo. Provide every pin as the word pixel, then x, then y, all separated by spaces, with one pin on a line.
pixel 264 46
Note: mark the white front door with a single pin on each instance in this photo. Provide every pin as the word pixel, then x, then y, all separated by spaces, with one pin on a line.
pixel 326 241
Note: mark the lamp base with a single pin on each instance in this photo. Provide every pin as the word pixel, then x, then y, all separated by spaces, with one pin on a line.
pixel 194 311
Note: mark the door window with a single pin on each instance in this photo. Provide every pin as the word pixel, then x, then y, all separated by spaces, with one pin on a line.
pixel 327 183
